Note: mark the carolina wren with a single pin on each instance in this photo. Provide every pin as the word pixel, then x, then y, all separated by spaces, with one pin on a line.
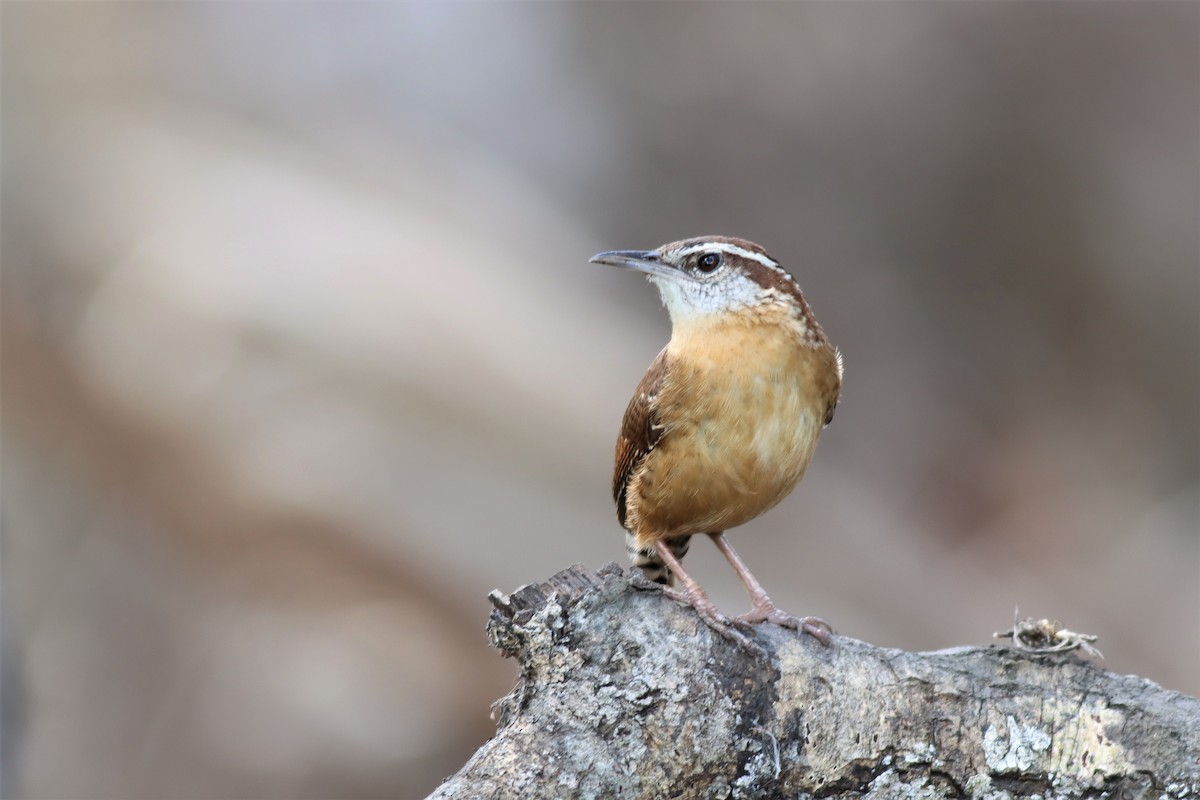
pixel 726 420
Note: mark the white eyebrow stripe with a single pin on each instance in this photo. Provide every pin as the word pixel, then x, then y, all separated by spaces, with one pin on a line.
pixel 730 249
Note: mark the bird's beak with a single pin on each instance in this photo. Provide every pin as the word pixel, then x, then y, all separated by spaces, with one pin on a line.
pixel 647 261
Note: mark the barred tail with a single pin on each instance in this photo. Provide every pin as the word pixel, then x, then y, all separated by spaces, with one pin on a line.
pixel 647 558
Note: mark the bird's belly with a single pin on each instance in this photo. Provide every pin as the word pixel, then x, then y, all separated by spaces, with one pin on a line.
pixel 737 445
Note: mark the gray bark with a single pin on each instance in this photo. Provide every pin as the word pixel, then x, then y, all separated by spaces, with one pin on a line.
pixel 626 693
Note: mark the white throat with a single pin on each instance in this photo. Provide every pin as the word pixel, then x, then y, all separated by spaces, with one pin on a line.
pixel 687 299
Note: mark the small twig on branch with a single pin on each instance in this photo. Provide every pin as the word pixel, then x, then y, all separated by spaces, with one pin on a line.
pixel 1044 636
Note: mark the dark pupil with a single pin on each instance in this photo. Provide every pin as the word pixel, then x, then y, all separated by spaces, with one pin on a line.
pixel 708 262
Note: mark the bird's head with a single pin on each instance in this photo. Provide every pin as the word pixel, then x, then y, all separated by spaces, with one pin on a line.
pixel 713 275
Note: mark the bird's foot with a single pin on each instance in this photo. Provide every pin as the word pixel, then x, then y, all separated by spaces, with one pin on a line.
pixel 767 611
pixel 713 618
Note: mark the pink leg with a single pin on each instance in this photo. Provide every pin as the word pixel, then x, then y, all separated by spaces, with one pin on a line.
pixel 764 609
pixel 695 597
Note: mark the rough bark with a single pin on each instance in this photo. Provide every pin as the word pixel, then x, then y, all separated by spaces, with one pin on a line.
pixel 625 693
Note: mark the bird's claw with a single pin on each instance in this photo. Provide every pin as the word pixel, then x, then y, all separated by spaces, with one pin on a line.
pixel 815 627
pixel 714 619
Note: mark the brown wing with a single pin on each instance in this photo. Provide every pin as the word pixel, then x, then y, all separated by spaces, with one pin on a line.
pixel 640 431
pixel 834 391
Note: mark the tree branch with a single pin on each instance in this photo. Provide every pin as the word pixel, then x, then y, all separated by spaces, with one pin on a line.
pixel 625 693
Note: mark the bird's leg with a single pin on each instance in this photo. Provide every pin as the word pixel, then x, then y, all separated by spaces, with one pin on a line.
pixel 765 609
pixel 695 597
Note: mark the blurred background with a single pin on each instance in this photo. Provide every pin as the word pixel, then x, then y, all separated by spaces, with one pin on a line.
pixel 303 355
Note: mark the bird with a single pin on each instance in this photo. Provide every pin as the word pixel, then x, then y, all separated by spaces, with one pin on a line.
pixel 726 420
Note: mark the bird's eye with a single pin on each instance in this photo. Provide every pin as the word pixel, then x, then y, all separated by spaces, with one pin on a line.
pixel 708 262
